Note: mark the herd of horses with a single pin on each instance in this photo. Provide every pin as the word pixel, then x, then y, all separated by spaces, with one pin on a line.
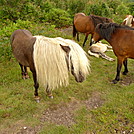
pixel 52 59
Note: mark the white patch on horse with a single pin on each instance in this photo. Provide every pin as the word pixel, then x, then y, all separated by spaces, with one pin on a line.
pixel 129 20
pixel 98 50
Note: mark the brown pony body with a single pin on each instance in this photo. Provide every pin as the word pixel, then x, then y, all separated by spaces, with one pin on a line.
pixel 86 24
pixel 122 41
pixel 24 52
pixel 49 60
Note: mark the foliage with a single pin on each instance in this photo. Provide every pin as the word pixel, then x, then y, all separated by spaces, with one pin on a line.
pixel 58 17
pixel 5 33
pixel 100 9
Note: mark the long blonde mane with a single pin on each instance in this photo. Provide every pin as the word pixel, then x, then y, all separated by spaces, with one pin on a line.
pixel 50 61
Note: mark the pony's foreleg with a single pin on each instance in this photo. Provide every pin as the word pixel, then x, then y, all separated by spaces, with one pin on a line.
pixel 125 65
pixel 119 65
pixel 91 40
pixel 49 92
pixel 36 86
pixel 85 39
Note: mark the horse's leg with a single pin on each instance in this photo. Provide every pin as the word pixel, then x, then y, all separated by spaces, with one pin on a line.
pixel 125 65
pixel 49 92
pixel 91 40
pixel 26 73
pixel 22 71
pixel 119 65
pixel 36 84
pixel 78 36
pixel 85 39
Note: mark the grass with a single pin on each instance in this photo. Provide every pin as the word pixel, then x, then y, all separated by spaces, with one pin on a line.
pixel 115 115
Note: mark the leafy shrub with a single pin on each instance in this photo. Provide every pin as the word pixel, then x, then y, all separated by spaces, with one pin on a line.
pixel 76 6
pixel 58 17
pixel 122 9
pixel 5 33
pixel 131 8
pixel 100 9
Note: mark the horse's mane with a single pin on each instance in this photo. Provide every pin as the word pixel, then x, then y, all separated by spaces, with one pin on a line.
pixel 107 29
pixel 98 19
pixel 50 61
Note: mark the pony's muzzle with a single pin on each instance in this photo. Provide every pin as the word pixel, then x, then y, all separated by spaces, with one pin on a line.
pixel 80 78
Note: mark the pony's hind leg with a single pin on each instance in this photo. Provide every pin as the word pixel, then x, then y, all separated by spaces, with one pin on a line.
pixel 49 92
pixel 24 71
pixel 125 66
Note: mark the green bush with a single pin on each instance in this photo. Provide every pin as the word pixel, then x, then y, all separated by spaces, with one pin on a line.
pixel 131 8
pixel 58 17
pixel 122 9
pixel 5 33
pixel 76 6
pixel 100 9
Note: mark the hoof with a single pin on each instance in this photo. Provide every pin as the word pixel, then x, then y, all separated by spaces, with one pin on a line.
pixel 25 77
pixel 124 73
pixel 114 81
pixel 51 97
pixel 37 99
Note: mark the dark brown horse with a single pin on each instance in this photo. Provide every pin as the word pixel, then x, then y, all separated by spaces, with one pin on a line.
pixel 121 38
pixel 129 21
pixel 49 59
pixel 86 24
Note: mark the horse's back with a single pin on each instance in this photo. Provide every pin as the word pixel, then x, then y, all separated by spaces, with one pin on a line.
pixel 82 22
pixel 123 42
pixel 22 43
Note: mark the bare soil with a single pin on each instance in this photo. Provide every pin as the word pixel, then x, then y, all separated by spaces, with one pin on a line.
pixel 62 114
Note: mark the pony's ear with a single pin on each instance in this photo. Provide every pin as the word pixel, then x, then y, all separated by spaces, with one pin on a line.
pixel 100 25
pixel 65 48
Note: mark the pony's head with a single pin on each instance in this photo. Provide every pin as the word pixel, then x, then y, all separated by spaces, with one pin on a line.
pixel 71 67
pixel 104 31
pixel 80 65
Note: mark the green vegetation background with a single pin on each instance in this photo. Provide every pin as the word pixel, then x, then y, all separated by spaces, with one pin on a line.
pixel 30 14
